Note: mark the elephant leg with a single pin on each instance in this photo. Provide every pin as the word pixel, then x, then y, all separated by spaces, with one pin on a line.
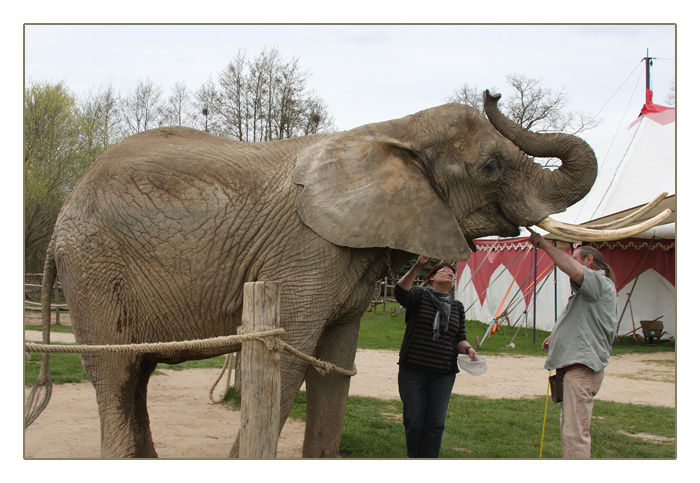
pixel 121 381
pixel 327 395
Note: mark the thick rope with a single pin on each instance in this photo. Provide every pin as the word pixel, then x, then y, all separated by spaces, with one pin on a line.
pixel 321 366
pixel 214 343
pixel 273 343
pixel 228 366
pixel 277 345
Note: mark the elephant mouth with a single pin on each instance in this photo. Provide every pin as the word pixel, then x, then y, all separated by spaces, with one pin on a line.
pixel 488 220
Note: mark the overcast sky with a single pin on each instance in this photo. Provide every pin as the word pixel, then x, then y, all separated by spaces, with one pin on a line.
pixel 370 73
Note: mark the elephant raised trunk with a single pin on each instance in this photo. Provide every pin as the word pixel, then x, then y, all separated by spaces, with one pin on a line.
pixel 557 189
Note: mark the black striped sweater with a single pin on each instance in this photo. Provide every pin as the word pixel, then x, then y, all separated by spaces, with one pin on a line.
pixel 418 349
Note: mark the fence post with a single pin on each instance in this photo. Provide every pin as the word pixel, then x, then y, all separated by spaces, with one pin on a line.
pixel 260 366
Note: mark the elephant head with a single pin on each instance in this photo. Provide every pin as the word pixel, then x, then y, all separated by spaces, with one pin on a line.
pixel 433 181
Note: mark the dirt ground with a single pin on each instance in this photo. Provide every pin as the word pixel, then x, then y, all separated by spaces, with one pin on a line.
pixel 187 425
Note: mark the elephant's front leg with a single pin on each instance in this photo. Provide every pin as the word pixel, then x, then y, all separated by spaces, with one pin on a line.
pixel 327 395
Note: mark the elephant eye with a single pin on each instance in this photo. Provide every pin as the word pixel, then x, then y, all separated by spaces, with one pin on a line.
pixel 492 168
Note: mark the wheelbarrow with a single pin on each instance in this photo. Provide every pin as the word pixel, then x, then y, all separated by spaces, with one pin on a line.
pixel 652 330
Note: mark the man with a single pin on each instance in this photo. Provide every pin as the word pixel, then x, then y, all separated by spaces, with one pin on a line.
pixel 581 341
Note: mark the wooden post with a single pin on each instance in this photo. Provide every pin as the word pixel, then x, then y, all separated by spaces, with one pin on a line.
pixel 260 366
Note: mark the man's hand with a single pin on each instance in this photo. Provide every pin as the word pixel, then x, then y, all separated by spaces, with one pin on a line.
pixel 545 344
pixel 537 241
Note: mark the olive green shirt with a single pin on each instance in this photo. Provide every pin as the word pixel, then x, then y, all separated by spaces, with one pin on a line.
pixel 585 331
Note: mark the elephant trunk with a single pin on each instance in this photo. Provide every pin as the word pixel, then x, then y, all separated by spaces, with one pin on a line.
pixel 556 189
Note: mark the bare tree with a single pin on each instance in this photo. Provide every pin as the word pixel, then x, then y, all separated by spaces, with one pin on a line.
pixel 257 92
pixel 177 107
pixel 315 117
pixel 671 96
pixel 100 116
pixel 291 102
pixel 142 109
pixel 232 105
pixel 469 95
pixel 265 99
pixel 532 106
pixel 206 106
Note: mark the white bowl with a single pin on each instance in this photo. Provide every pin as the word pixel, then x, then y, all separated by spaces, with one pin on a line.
pixel 474 367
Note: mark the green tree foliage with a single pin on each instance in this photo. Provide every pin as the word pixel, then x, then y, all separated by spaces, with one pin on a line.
pixel 60 142
pixel 261 99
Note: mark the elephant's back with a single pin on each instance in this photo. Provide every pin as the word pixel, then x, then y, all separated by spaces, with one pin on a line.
pixel 173 152
pixel 157 225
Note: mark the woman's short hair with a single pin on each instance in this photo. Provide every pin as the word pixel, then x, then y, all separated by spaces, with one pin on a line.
pixel 438 266
pixel 586 250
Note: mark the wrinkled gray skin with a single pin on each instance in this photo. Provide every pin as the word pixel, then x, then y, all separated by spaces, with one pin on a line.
pixel 159 236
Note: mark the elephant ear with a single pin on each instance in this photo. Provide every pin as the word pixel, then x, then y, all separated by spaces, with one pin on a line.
pixel 368 191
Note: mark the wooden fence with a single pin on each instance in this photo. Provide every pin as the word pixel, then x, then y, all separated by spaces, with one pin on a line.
pixel 32 285
pixel 383 292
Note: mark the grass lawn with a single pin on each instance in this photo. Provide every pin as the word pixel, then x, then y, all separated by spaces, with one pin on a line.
pixel 383 330
pixel 476 427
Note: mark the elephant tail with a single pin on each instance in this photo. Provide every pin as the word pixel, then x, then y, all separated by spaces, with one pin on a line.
pixel 41 392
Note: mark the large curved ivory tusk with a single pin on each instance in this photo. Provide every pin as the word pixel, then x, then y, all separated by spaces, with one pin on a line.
pixel 578 233
pixel 632 216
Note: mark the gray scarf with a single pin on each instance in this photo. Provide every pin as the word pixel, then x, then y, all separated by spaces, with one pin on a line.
pixel 443 304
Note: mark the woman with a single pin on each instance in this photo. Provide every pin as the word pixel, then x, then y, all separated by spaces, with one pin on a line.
pixel 428 356
pixel 581 340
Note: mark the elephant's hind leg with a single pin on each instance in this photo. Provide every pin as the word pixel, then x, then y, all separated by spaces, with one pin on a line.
pixel 121 382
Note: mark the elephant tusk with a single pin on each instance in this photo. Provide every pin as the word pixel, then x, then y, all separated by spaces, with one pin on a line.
pixel 579 233
pixel 633 216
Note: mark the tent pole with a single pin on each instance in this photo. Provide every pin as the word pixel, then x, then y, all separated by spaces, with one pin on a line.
pixel 534 306
pixel 648 63
pixel 556 282
pixel 629 295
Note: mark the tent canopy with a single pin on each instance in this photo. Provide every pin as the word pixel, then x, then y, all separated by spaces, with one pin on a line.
pixel 638 166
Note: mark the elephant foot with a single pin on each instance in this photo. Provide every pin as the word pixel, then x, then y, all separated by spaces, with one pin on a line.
pixel 326 452
pixel 142 449
pixel 235 449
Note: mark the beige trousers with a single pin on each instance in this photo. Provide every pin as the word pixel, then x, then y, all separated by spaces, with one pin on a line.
pixel 580 387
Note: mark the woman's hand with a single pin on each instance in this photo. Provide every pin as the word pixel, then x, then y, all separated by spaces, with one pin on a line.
pixel 463 347
pixel 407 280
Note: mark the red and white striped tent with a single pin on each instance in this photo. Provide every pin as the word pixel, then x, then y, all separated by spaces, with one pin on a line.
pixel 497 280
pixel 638 166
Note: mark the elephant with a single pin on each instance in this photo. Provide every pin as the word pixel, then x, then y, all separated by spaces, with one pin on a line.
pixel 159 236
